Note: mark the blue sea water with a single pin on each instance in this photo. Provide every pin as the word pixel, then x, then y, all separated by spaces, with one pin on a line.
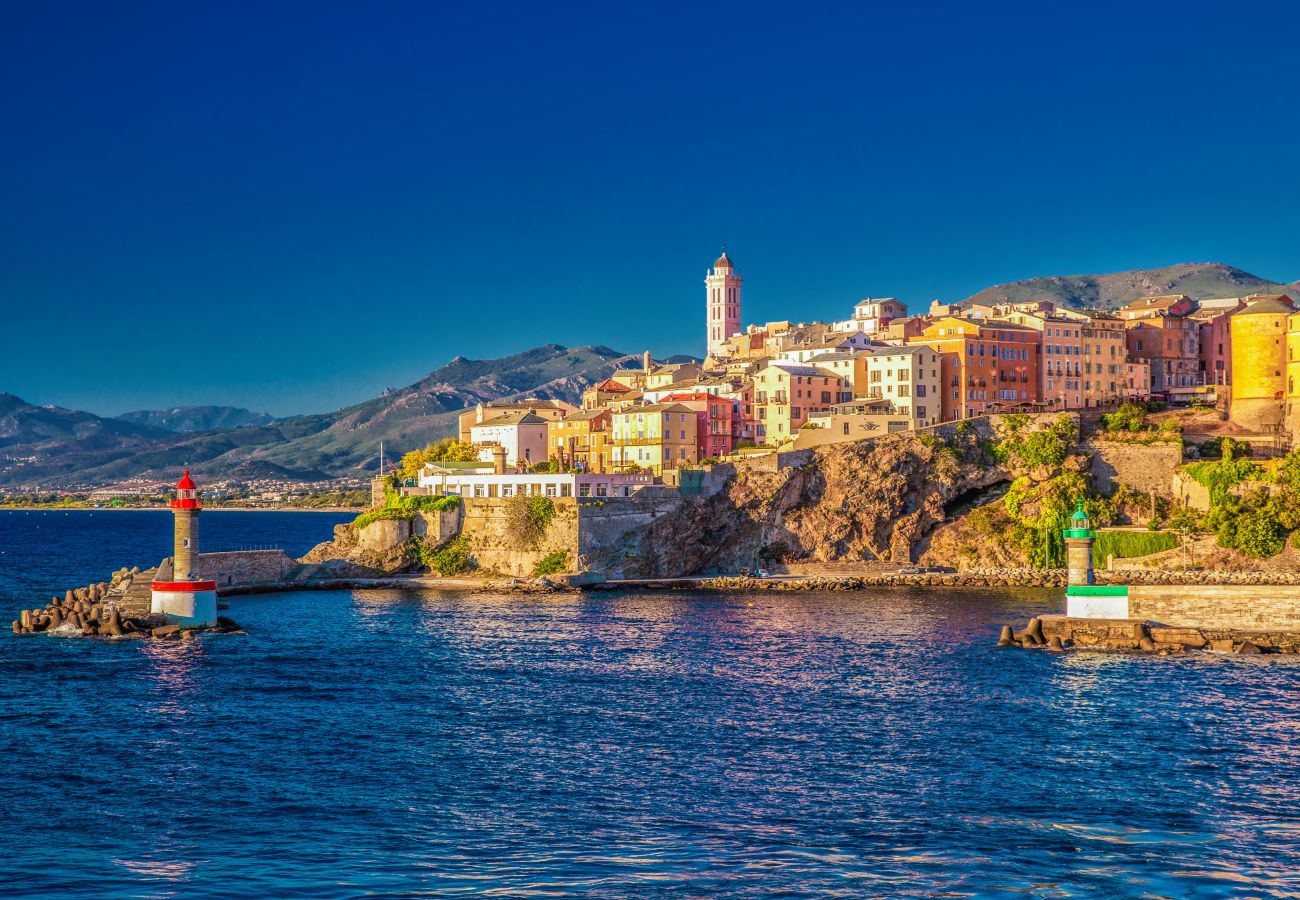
pixel 393 744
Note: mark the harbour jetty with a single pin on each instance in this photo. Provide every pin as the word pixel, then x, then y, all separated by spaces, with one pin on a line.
pixel 1159 616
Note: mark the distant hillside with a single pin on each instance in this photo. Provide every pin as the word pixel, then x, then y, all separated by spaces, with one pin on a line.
pixel 187 419
pixel 1200 280
pixel 44 446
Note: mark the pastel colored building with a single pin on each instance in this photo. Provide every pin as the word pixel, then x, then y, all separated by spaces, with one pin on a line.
pixel 803 354
pixel 850 365
pixel 581 440
pixel 655 438
pixel 1259 361
pixel 722 292
pixel 1164 305
pixel 717 421
pixel 1212 316
pixel 872 315
pixel 1172 346
pixel 1292 411
pixel 986 366
pixel 522 435
pixel 1105 349
pixel 786 394
pixel 909 380
pixel 549 410
pixel 847 422
pixel 478 484
pixel 1137 379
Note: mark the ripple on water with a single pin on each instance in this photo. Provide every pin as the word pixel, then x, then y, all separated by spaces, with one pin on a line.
pixel 393 744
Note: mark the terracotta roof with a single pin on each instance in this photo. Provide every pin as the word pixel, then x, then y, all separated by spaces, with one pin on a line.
pixel 1276 303
pixel 723 261
pixel 512 418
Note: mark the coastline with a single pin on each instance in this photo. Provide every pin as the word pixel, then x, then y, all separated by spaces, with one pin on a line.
pixel 268 509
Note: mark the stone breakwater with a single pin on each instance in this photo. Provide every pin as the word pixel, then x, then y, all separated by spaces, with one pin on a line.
pixel 119 608
pixel 1059 633
pixel 1018 577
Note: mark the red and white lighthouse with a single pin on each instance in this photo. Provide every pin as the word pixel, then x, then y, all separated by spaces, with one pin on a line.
pixel 186 600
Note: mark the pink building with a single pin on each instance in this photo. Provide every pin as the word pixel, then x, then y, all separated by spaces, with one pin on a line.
pixel 1216 338
pixel 718 421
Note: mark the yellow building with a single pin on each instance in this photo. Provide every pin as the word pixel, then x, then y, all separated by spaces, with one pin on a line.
pixel 909 379
pixel 653 438
pixel 581 440
pixel 1259 361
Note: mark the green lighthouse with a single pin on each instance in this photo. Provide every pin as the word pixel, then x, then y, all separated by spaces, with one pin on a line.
pixel 1078 547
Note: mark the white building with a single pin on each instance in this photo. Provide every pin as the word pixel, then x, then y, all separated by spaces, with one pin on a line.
pixel 478 483
pixel 522 434
pixel 872 315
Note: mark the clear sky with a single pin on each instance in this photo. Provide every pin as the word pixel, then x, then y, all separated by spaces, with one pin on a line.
pixel 289 207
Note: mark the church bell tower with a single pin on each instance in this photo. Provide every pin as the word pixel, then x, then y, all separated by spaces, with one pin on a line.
pixel 722 294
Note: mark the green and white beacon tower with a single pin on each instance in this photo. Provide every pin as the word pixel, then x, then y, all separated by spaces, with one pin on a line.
pixel 1084 598
pixel 1078 548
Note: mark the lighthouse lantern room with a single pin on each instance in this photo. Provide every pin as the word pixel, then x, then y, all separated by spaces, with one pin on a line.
pixel 186 600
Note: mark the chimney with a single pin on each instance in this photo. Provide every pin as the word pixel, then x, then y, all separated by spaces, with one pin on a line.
pixel 646 362
pixel 498 460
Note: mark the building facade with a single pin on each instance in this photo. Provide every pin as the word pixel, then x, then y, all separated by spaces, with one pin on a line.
pixel 655 438
pixel 986 366
pixel 785 395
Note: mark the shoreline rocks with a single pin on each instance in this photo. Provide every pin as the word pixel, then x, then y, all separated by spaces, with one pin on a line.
pixel 116 609
pixel 1135 636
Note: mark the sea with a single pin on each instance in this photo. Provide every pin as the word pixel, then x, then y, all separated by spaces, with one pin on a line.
pixel 402 744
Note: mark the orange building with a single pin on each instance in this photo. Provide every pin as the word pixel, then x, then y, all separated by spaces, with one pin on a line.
pixel 987 366
pixel 581 440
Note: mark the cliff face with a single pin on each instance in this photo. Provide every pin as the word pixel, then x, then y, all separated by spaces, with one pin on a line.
pixel 868 500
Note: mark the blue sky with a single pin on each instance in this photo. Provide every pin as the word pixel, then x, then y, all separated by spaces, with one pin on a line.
pixel 312 202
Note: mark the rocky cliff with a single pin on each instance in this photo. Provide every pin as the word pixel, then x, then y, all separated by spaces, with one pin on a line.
pixel 865 501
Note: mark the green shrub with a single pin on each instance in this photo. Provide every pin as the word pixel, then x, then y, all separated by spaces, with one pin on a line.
pixel 453 559
pixel 1129 417
pixel 381 514
pixel 1256 534
pixel 1222 475
pixel 551 563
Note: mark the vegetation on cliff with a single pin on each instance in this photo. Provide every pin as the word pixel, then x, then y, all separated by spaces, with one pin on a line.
pixel 528 518
pixel 398 507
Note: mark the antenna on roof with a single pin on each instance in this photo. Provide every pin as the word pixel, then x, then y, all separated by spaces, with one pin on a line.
pixel 381 459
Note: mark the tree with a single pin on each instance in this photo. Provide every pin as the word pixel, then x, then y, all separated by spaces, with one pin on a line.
pixel 446 450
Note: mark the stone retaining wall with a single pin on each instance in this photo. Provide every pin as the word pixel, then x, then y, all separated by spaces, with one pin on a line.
pixel 1249 607
pixel 237 567
pixel 1143 467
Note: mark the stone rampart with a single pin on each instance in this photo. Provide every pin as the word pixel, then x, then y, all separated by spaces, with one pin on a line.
pixel 1245 607
pixel 496 545
pixel 236 567
pixel 1143 467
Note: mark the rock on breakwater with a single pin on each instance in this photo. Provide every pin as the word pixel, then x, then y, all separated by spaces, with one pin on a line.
pixel 1057 632
pixel 118 608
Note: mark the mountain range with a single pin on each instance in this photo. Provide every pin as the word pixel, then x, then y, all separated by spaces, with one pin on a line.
pixel 1199 280
pixel 50 447
pixel 187 419
pixel 47 446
